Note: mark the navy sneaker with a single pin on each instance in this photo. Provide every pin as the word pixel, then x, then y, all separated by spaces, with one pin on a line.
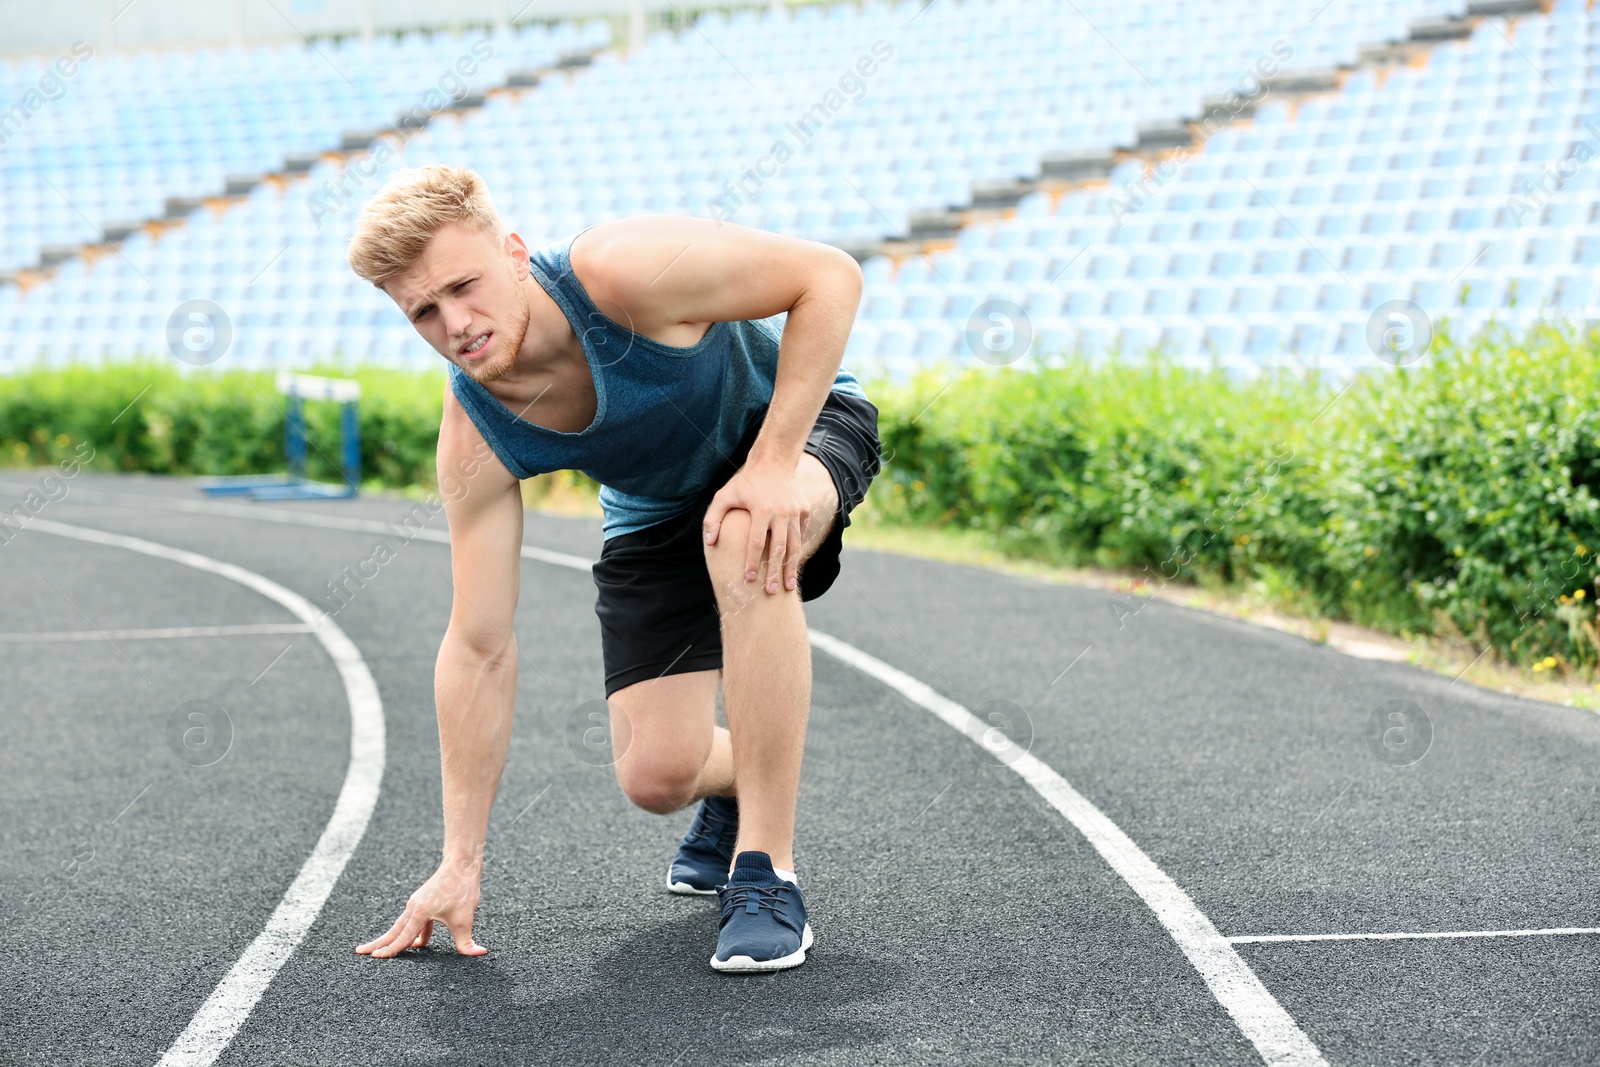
pixel 706 854
pixel 763 926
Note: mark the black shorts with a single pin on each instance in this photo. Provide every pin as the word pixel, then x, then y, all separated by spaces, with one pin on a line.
pixel 657 609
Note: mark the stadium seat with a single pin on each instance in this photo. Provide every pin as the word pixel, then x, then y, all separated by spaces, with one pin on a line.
pixel 1269 242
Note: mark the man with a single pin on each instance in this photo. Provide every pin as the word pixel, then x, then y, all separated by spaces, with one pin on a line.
pixel 730 457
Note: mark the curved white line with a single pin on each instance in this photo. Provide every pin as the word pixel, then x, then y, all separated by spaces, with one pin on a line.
pixel 231 1002
pixel 304 518
pixel 246 629
pixel 1275 1034
pixel 1273 1031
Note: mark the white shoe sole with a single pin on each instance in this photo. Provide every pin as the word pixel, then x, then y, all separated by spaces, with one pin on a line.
pixel 746 965
pixel 684 889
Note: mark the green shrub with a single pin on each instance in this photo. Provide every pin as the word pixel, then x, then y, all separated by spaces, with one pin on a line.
pixel 1456 496
pixel 152 416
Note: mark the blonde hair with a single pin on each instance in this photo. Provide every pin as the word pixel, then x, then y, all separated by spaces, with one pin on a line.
pixel 397 223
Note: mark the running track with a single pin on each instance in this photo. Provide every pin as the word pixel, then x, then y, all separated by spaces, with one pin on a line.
pixel 1038 823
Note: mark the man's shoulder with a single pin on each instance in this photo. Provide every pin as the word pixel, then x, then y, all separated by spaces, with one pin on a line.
pixel 591 254
pixel 636 250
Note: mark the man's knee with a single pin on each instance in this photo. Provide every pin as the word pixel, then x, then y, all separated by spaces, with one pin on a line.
pixel 659 783
pixel 725 560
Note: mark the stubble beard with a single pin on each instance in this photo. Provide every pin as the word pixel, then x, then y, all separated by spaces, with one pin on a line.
pixel 507 346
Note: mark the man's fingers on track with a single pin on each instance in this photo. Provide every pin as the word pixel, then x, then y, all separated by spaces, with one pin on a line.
pixel 413 926
pixel 385 937
pixel 464 943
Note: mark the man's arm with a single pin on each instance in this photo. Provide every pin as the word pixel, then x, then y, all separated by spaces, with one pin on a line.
pixel 475 678
pixel 661 270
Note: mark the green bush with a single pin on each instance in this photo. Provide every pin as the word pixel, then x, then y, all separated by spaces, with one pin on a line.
pixel 1456 496
pixel 152 416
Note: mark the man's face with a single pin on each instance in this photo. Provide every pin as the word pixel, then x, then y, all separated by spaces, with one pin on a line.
pixel 465 297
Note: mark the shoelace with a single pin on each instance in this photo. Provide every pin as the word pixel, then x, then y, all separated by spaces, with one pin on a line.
pixel 713 830
pixel 754 898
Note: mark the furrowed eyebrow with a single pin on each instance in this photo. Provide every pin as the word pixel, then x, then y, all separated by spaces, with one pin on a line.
pixel 429 297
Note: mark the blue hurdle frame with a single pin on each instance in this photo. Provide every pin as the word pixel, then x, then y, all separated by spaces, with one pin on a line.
pixel 295 485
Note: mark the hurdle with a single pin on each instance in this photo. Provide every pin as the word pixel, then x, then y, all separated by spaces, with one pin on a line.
pixel 294 485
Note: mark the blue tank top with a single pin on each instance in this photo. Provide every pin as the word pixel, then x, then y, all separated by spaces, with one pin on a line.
pixel 665 415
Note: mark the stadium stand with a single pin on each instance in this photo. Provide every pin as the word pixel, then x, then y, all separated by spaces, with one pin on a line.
pixel 1269 243
pixel 166 136
pixel 1277 241
pixel 126 134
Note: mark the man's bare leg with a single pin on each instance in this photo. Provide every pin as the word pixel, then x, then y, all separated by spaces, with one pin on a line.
pixel 766 685
pixel 671 752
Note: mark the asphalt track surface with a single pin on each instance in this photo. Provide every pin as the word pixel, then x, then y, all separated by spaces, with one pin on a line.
pixel 961 915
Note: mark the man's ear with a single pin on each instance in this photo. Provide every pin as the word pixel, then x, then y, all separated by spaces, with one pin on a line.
pixel 517 250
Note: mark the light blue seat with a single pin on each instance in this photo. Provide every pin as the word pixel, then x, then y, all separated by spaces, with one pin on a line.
pixel 863 341
pixel 1338 222
pixel 1293 297
pixel 1028 265
pixel 1264 341
pixel 1499 250
pixel 1275 259
pixel 913 270
pixel 1138 336
pixel 923 300
pixel 1223 338
pixel 1052 337
pixel 1167 299
pixel 1084 300
pixel 1311 337
pixel 961 301
pixel 1107 265
pixel 1451 254
pixel 1571 292
pixel 1426 218
pixel 1182 339
pixel 1529 291
pixel 1485 292
pixel 1565 213
pixel 1359 257
pixel 1210 299
pixel 935 340
pixel 880 304
pixel 1212 227
pixel 1251 298
pixel 1189 263
pixel 1124 299
pixel 1435 296
pixel 1403 255
pixel 1149 261
pixel 1094 337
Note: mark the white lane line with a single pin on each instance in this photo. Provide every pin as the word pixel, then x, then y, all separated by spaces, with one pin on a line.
pixel 226 1009
pixel 1275 1034
pixel 159 632
pixel 1555 931
pixel 400 529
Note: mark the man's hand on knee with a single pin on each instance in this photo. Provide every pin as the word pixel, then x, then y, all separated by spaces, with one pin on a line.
pixel 779 516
